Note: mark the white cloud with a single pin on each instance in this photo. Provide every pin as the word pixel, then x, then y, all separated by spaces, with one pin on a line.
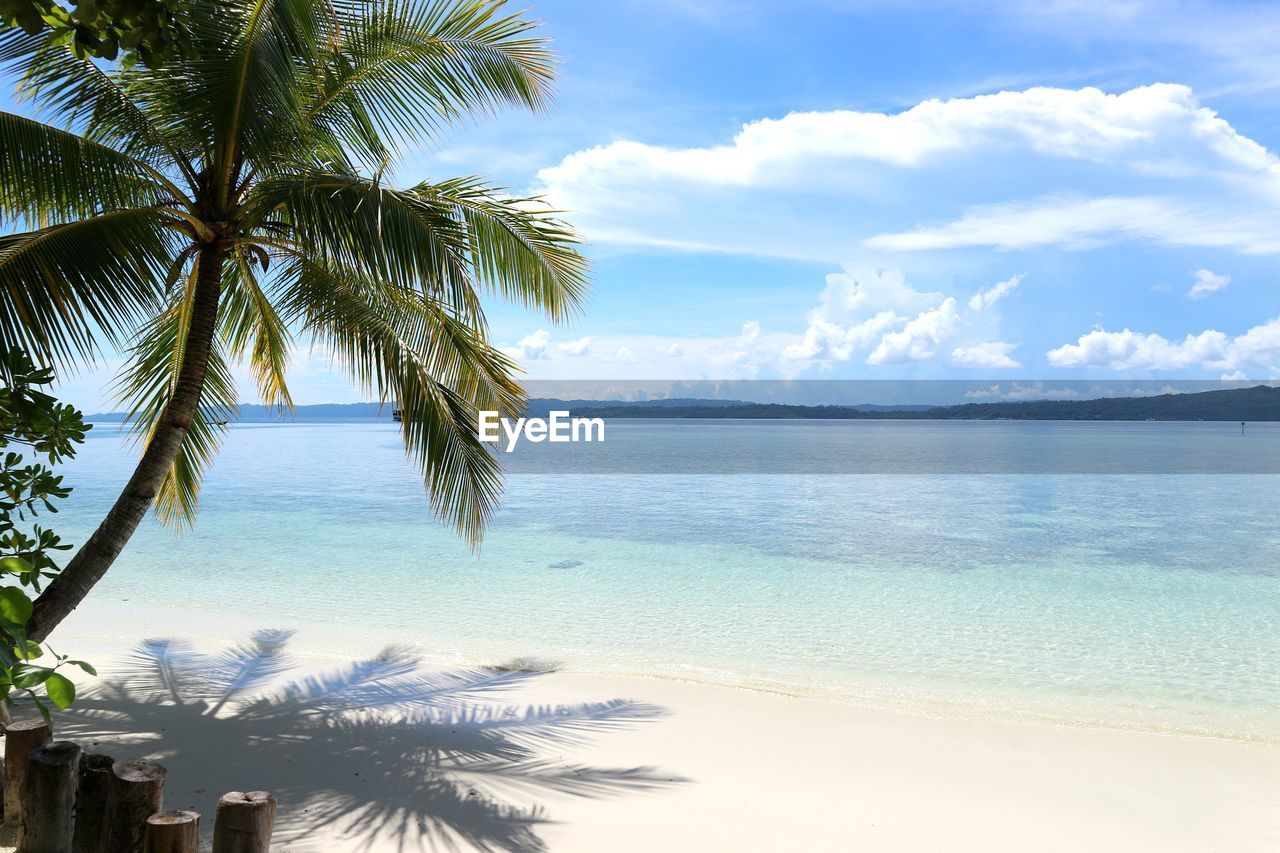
pixel 854 308
pixel 985 354
pixel 918 340
pixel 983 393
pixel 1258 347
pixel 531 347
pixel 577 348
pixel 993 294
pixel 1207 282
pixel 1078 123
pixel 1083 223
pixel 1175 172
pixel 1037 391
pixel 872 316
pixel 880 314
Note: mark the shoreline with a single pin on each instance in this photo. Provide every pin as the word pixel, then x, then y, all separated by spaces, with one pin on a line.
pixel 90 625
pixel 720 767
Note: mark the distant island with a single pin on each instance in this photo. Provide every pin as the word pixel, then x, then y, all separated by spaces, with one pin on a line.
pixel 1259 403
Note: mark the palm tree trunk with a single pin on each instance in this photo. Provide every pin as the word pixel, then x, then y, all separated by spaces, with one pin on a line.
pixel 91 562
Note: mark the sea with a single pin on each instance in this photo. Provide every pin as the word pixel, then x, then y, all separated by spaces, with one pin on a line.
pixel 1121 575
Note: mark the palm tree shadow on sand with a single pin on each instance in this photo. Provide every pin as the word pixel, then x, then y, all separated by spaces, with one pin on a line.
pixel 378 749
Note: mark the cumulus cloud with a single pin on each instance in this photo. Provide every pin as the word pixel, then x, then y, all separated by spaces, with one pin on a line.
pixel 918 340
pixel 1258 347
pixel 1207 282
pixel 985 354
pixel 854 309
pixel 533 346
pixel 877 312
pixel 577 348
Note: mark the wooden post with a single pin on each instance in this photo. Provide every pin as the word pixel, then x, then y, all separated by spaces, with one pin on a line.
pixel 134 793
pixel 243 822
pixel 173 832
pixel 20 739
pixel 91 801
pixel 49 798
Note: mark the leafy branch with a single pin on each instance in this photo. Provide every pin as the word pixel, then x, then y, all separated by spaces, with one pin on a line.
pixel 50 431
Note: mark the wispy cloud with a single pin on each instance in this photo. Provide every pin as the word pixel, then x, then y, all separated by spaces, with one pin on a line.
pixel 1207 282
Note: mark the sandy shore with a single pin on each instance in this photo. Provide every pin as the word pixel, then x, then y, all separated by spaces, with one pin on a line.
pixel 582 762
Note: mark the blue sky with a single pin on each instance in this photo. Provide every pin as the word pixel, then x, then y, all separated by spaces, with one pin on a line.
pixel 896 190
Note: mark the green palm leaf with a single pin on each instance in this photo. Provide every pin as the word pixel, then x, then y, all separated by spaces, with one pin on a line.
pixel 62 286
pixel 106 104
pixel 438 369
pixel 408 68
pixel 146 385
pixel 52 175
pixel 253 331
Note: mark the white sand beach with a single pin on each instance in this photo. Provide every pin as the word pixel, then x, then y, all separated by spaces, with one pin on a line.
pixel 589 762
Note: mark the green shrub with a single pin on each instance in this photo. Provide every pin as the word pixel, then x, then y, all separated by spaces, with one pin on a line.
pixel 35 425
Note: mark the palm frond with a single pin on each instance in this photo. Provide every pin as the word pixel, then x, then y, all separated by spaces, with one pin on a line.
pixel 49 175
pixel 146 385
pixel 406 68
pixel 251 328
pixel 265 146
pixel 62 285
pixel 398 349
pixel 254 85
pixel 353 221
pixel 80 93
pixel 441 239
pixel 518 247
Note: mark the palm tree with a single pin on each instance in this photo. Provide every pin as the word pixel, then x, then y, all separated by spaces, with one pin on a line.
pixel 211 211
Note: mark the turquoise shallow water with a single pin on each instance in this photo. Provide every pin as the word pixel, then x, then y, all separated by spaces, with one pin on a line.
pixel 1132 599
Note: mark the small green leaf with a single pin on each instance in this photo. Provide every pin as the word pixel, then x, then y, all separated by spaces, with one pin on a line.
pixel 14 565
pixel 14 605
pixel 62 692
pixel 33 677
pixel 85 665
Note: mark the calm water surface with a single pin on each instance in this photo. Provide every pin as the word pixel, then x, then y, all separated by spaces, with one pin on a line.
pixel 1036 581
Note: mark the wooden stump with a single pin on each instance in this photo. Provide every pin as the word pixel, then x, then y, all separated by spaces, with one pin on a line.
pixel 173 832
pixel 243 822
pixel 91 801
pixel 134 793
pixel 21 738
pixel 49 798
